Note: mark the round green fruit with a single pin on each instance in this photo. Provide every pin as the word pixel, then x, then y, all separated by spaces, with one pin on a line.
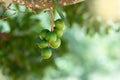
pixel 43 33
pixel 59 24
pixel 58 32
pixel 46 53
pixel 43 44
pixel 51 37
pixel 55 44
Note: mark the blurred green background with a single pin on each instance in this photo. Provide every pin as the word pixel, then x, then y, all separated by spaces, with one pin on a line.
pixel 90 48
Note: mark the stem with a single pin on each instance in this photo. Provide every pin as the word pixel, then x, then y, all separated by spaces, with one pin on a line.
pixel 52 18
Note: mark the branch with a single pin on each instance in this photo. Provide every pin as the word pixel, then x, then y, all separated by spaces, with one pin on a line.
pixel 41 4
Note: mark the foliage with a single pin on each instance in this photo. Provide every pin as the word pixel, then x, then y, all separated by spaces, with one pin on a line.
pixel 79 56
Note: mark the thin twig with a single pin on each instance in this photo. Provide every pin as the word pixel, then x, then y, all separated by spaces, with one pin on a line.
pixel 8 16
pixel 5 10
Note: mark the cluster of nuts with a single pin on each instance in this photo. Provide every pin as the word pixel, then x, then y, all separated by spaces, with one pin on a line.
pixel 51 39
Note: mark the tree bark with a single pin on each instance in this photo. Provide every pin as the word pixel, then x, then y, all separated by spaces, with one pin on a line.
pixel 41 4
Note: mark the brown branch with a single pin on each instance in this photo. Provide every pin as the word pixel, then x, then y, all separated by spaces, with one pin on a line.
pixel 41 4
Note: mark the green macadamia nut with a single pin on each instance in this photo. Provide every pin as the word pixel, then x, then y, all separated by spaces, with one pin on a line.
pixel 43 44
pixel 51 37
pixel 56 44
pixel 43 33
pixel 59 24
pixel 58 32
pixel 46 53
